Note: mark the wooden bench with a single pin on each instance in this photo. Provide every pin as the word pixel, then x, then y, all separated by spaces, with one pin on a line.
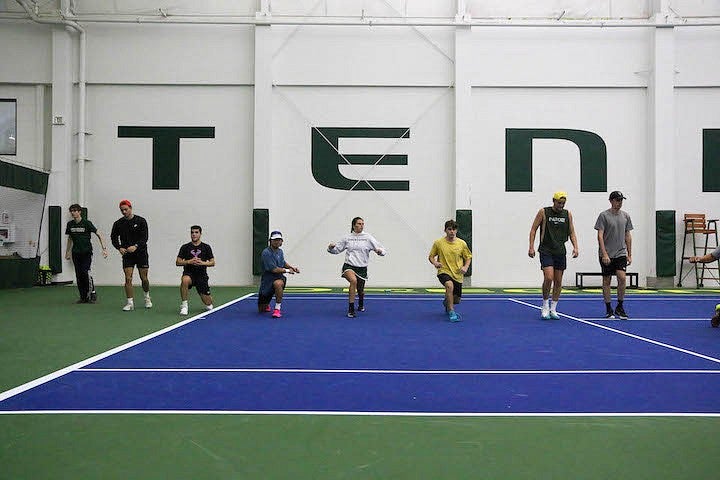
pixel 631 276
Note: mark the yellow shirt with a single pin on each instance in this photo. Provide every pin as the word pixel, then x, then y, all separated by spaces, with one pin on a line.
pixel 452 256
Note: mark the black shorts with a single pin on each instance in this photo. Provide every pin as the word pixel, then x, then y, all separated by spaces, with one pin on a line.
pixel 264 297
pixel 619 263
pixel 139 258
pixel 360 272
pixel 201 283
pixel 457 287
pixel 558 262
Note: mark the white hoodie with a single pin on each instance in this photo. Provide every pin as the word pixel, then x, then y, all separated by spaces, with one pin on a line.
pixel 358 247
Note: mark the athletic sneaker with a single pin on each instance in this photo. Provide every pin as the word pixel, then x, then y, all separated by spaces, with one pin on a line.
pixel 93 297
pixel 554 315
pixel 715 320
pixel 620 313
pixel 361 309
pixel 545 313
pixel 128 307
pixel 183 309
pixel 267 308
pixel 453 316
pixel 609 314
pixel 276 313
pixel 81 300
pixel 148 302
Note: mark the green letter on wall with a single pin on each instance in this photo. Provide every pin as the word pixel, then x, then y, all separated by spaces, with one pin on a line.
pixel 326 159
pixel 519 164
pixel 711 160
pixel 166 150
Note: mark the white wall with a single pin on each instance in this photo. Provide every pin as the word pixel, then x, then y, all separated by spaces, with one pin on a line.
pixel 594 79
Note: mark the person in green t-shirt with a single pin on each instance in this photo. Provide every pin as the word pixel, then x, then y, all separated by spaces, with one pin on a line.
pixel 79 248
pixel 556 226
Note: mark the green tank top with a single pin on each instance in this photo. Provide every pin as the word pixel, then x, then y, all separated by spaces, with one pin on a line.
pixel 554 232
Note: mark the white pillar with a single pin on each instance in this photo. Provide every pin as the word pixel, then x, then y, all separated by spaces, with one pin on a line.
pixel 463 117
pixel 61 164
pixel 661 130
pixel 262 136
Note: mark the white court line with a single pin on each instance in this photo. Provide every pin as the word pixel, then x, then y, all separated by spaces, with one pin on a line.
pixel 631 335
pixel 359 414
pixel 635 319
pixel 51 376
pixel 393 372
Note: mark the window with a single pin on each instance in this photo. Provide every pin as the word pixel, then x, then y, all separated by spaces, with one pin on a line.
pixel 8 127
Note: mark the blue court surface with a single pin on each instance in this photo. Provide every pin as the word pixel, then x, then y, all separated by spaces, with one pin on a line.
pixel 402 356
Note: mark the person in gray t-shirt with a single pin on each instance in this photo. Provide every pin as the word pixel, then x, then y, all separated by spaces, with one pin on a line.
pixel 615 251
pixel 710 257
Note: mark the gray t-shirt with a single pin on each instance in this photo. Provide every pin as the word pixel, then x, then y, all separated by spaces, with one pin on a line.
pixel 614 226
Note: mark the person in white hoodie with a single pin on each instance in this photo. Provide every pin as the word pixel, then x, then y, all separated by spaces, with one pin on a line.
pixel 357 246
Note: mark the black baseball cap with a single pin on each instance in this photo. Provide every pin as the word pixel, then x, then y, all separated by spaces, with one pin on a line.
pixel 616 195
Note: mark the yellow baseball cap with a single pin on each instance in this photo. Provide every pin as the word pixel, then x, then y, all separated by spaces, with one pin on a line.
pixel 559 194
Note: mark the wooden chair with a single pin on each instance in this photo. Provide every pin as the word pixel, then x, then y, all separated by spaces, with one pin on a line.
pixel 697 224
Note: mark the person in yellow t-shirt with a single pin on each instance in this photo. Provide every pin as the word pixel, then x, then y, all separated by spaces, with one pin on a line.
pixel 451 256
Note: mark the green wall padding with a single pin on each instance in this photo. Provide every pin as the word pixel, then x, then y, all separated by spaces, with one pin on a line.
pixel 22 178
pixel 261 233
pixel 464 220
pixel 18 272
pixel 665 243
pixel 55 238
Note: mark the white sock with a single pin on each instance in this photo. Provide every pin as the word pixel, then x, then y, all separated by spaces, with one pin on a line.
pixel 278 306
pixel 546 303
pixel 184 303
pixel 209 307
pixel 553 305
pixel 147 294
pixel 131 301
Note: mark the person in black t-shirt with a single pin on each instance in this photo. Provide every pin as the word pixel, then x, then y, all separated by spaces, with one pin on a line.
pixel 195 257
pixel 129 236
pixel 79 246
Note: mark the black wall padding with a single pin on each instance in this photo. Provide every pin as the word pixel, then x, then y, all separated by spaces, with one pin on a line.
pixel 665 243
pixel 464 220
pixel 261 233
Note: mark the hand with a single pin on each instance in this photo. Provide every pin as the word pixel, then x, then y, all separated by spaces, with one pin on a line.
pixel 295 269
pixel 380 251
pixel 605 259
pixel 693 259
pixel 331 246
pixel 464 269
pixel 437 264
pixel 122 251
pixel 131 249
pixel 629 259
pixel 531 252
pixel 67 256
pixel 575 253
pixel 105 252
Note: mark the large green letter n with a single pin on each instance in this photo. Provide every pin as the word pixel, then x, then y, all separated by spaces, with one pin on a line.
pixel 166 150
pixel 326 158
pixel 519 162
pixel 711 160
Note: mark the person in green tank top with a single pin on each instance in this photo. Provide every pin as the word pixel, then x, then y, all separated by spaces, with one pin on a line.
pixel 556 226
pixel 79 248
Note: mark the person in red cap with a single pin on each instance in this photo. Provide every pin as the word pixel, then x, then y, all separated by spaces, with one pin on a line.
pixel 129 236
